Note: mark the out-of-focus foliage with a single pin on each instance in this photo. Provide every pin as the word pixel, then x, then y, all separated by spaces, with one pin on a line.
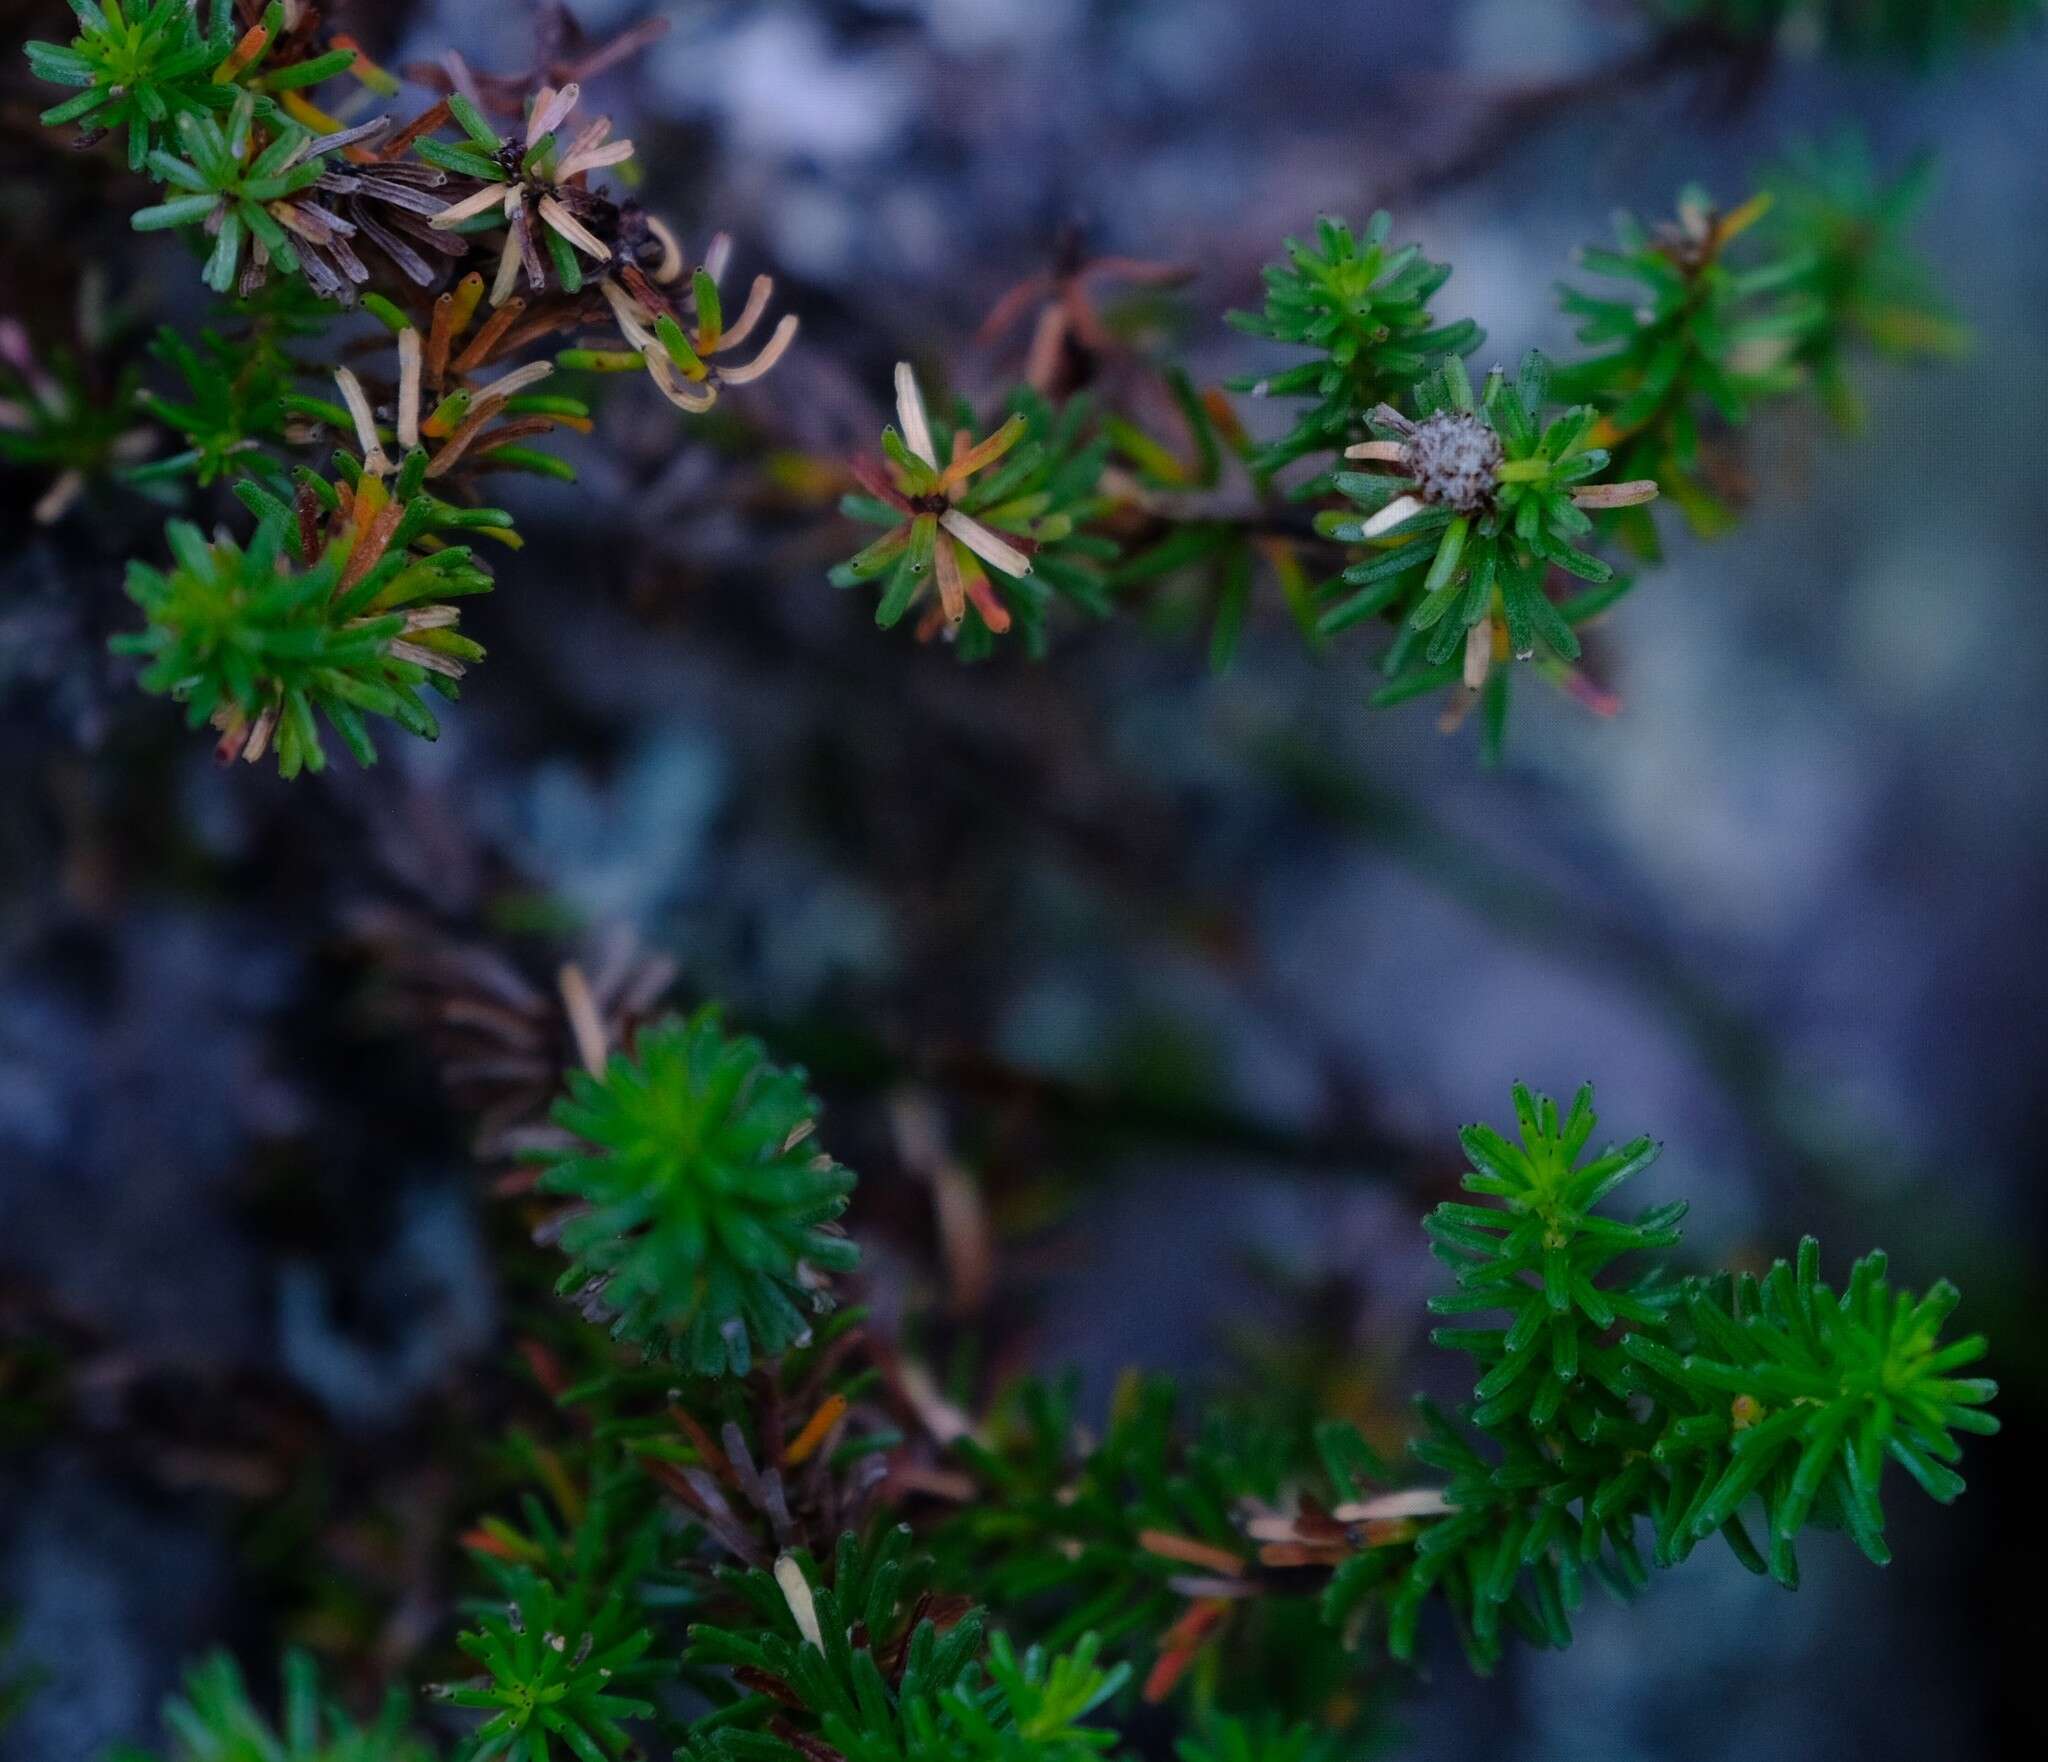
pixel 1221 1738
pixel 1837 214
pixel 17 1682
pixel 68 412
pixel 1696 336
pixel 229 418
pixel 214 1720
pixel 1073 1528
pixel 1916 30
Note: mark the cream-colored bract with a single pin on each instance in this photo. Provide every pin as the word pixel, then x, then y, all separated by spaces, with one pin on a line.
pixel 987 545
pixel 917 428
pixel 796 1592
pixel 696 389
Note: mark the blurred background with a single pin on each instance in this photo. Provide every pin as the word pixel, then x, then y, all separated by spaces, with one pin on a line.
pixel 1194 977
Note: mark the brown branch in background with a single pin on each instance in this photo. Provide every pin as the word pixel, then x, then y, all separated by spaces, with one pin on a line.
pixel 1731 70
pixel 563 53
pixel 500 1040
pixel 182 1425
pixel 1069 337
pixel 966 1247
